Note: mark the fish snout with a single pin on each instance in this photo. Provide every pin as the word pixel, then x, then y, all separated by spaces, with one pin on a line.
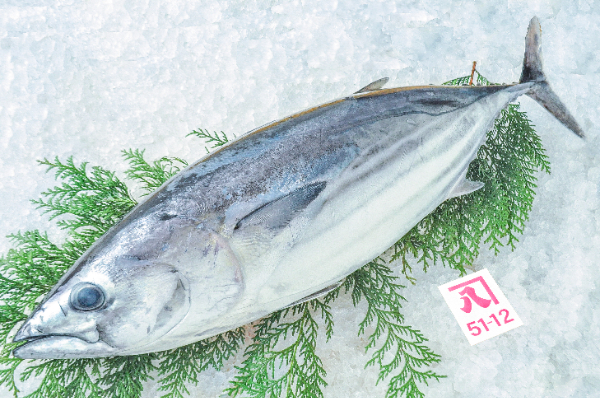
pixel 43 318
pixel 49 333
pixel 27 331
pixel 51 320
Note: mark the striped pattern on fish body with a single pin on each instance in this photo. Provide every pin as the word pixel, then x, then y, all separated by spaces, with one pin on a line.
pixel 278 216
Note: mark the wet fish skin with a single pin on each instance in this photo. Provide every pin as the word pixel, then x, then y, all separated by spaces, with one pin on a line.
pixel 277 216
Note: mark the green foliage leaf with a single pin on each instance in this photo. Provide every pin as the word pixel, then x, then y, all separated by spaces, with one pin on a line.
pixel 65 378
pixel 123 376
pixel 7 372
pixel 459 81
pixel 403 346
pixel 213 138
pixel 480 80
pixel 294 370
pixel 151 176
pixel 93 199
pixel 183 365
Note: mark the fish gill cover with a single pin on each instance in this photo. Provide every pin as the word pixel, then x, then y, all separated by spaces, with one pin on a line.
pixel 280 351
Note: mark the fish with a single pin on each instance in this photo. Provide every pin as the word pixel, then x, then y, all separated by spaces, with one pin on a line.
pixel 276 217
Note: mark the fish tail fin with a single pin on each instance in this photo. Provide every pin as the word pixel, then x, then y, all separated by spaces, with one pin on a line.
pixel 540 90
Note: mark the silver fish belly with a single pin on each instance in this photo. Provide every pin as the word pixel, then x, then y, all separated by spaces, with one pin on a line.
pixel 278 216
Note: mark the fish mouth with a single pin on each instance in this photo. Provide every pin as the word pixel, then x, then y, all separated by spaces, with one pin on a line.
pixel 57 346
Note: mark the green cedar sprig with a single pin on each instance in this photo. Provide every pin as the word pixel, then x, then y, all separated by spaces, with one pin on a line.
pixel 123 376
pixel 268 372
pixel 65 378
pixel 379 288
pixel 151 176
pixel 182 366
pixel 291 371
pixel 214 139
pixel 95 200
pixel 480 80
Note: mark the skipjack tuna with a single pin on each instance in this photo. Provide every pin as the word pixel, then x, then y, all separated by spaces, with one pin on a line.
pixel 276 217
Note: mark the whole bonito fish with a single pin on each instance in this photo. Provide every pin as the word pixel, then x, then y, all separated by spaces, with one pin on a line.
pixel 278 216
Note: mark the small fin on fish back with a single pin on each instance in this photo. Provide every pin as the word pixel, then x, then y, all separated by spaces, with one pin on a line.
pixel 376 85
pixel 541 91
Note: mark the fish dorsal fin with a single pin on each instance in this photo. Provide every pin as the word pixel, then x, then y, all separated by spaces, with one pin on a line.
pixel 464 187
pixel 376 85
pixel 320 293
pixel 278 213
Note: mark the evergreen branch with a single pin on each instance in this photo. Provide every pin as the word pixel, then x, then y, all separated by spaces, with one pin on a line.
pixel 7 374
pixel 403 347
pixel 459 81
pixel 215 139
pixel 464 81
pixel 151 176
pixel 482 81
pixel 184 364
pixel 95 199
pixel 123 376
pixel 65 378
pixel 292 371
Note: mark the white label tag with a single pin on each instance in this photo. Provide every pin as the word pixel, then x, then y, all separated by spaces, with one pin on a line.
pixel 480 308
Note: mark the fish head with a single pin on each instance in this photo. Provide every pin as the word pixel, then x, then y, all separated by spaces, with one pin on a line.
pixel 106 306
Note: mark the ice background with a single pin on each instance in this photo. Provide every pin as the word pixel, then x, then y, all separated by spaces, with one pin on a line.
pixel 88 79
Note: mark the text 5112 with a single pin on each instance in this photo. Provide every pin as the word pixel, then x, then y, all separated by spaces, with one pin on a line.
pixel 502 314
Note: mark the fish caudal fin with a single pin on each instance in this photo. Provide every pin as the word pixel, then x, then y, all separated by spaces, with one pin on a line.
pixel 541 91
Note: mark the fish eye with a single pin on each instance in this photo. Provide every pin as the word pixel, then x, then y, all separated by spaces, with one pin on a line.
pixel 87 297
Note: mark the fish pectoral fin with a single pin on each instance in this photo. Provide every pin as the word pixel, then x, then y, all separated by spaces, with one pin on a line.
pixel 256 233
pixel 313 296
pixel 278 213
pixel 465 187
pixel 376 85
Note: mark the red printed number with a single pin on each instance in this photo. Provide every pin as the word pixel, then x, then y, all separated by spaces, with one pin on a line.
pixel 506 320
pixel 476 330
